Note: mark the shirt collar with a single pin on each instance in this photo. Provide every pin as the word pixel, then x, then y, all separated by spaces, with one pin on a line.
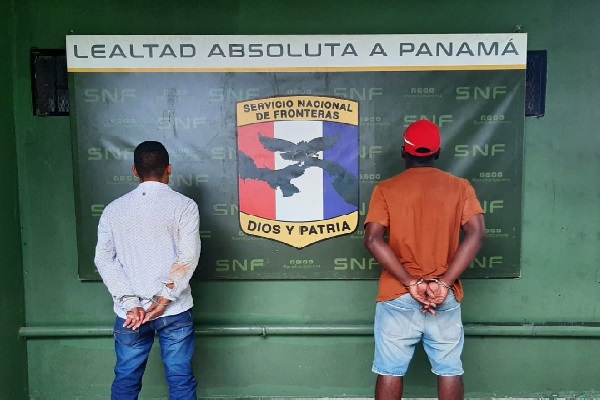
pixel 150 185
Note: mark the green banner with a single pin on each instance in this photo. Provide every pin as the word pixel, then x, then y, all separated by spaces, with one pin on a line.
pixel 207 118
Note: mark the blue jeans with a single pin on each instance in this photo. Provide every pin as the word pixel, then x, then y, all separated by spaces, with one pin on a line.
pixel 176 338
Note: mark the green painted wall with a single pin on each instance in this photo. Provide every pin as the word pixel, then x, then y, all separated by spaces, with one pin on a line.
pixel 560 254
pixel 13 356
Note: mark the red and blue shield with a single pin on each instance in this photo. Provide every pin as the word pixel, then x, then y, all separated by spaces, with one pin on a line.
pixel 298 168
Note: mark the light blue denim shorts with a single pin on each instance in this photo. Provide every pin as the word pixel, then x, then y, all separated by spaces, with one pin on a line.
pixel 400 325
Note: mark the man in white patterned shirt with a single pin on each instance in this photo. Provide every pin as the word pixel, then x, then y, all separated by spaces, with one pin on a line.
pixel 148 248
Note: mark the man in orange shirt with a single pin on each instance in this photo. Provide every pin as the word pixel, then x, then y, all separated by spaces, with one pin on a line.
pixel 423 210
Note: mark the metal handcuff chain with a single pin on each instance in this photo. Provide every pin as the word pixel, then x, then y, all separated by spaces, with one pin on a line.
pixel 128 296
pixel 430 280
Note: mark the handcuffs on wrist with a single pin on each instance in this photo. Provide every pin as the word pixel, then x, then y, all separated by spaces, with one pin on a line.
pixel 429 280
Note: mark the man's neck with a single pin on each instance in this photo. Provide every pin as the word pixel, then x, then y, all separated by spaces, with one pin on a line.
pixel 412 164
pixel 159 180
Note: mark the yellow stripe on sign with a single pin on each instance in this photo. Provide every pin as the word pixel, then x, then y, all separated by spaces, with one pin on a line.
pixel 298 234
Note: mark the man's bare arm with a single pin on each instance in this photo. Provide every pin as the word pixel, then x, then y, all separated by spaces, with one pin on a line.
pixel 374 242
pixel 382 252
pixel 467 250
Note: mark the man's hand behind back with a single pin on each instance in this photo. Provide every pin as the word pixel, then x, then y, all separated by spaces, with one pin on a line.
pixel 437 293
pixel 135 318
pixel 419 292
pixel 430 294
pixel 157 309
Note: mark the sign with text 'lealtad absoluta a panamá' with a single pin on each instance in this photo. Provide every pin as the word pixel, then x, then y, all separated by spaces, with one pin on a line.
pixel 281 139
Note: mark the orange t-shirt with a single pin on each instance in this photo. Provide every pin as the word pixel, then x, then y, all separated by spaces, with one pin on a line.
pixel 423 209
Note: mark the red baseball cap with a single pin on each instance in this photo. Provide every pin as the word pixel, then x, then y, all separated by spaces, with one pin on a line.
pixel 422 138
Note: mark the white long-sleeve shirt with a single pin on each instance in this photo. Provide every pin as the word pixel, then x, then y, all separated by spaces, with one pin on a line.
pixel 146 239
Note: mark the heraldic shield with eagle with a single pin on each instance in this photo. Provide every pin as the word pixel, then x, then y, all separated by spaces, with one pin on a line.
pixel 298 168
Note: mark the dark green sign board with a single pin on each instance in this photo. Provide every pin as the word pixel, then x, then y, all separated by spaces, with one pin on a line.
pixel 196 116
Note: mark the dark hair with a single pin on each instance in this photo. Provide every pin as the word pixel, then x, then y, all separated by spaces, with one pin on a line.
pixel 151 159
